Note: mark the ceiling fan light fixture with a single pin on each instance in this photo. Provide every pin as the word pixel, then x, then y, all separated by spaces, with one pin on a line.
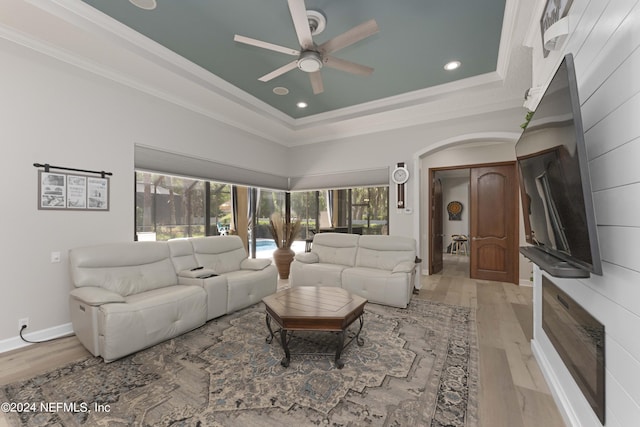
pixel 310 61
pixel 144 4
pixel 449 66
pixel 317 21
pixel 280 90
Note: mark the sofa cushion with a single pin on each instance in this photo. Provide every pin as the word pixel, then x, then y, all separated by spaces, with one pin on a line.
pixel 335 248
pixel 182 255
pixel 221 254
pixel 125 268
pixel 378 286
pixel 247 287
pixel 307 257
pixel 385 252
pixel 255 263
pixel 150 317
pixel 318 274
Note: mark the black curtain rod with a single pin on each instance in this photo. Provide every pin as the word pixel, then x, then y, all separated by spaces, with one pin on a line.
pixel 47 166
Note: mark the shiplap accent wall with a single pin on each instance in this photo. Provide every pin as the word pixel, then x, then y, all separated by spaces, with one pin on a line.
pixel 604 39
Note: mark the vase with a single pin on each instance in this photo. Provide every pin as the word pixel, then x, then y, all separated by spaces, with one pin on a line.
pixel 283 257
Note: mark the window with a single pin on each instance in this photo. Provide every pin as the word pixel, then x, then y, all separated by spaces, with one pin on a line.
pixel 361 210
pixel 169 207
pixel 220 208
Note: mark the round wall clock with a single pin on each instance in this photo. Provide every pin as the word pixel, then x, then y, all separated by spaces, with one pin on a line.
pixel 400 175
pixel 455 210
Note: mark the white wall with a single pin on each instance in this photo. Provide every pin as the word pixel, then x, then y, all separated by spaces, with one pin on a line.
pixel 58 114
pixel 386 149
pixel 604 38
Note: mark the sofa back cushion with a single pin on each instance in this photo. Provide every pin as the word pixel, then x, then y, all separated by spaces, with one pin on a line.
pixel 385 252
pixel 336 248
pixel 125 268
pixel 182 255
pixel 221 254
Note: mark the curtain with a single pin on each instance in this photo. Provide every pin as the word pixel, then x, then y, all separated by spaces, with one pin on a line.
pixel 253 208
pixel 330 207
pixel 234 207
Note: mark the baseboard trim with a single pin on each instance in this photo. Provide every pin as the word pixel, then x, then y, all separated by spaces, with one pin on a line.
pixel 527 283
pixel 558 393
pixel 44 334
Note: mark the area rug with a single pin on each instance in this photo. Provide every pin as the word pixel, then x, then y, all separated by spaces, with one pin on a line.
pixel 417 367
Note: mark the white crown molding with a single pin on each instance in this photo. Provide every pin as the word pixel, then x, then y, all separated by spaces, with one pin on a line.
pixel 81 14
pixel 410 99
pixel 123 54
pixel 533 30
pixel 506 36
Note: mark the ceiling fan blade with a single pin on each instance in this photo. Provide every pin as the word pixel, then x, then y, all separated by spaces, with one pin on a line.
pixel 350 37
pixel 279 71
pixel 301 23
pixel 266 45
pixel 348 66
pixel 316 82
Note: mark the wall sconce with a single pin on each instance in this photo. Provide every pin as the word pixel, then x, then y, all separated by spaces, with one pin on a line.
pixel 556 34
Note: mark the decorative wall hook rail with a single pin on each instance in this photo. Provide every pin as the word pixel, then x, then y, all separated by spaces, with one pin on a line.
pixel 47 166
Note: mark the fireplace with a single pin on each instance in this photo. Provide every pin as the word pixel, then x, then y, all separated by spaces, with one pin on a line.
pixel 579 340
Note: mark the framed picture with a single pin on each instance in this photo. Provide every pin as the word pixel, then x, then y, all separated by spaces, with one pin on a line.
pixel 76 192
pixel 454 209
pixel 52 190
pixel 554 11
pixel 64 191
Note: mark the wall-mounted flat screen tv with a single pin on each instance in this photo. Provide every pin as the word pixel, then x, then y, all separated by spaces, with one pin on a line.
pixel 555 187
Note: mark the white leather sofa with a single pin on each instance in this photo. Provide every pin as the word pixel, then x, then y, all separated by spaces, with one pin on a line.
pixel 379 268
pixel 129 296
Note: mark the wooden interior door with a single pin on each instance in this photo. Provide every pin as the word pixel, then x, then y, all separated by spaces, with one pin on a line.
pixel 435 251
pixel 494 223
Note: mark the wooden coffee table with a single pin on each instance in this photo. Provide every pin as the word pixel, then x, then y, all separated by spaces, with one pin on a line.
pixel 311 308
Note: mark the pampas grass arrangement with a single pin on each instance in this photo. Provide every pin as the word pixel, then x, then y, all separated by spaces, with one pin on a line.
pixel 283 232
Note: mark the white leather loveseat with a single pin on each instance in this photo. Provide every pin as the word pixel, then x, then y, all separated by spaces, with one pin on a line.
pixel 379 268
pixel 132 295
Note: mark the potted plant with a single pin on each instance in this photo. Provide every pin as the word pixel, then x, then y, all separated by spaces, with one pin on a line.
pixel 283 233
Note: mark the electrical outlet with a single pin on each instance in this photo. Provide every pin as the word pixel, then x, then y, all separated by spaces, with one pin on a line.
pixel 55 257
pixel 23 322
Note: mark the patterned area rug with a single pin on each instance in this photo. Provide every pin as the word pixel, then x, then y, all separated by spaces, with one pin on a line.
pixel 417 367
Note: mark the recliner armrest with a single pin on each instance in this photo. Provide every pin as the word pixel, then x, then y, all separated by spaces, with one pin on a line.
pixel 404 267
pixel 307 257
pixel 92 295
pixel 255 263
pixel 197 274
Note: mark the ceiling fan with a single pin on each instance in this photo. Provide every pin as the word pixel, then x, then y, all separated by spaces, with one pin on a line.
pixel 311 57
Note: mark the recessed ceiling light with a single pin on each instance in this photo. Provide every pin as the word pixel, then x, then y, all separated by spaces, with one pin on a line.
pixel 280 90
pixel 145 4
pixel 302 104
pixel 452 65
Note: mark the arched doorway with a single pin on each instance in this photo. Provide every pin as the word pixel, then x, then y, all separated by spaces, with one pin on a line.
pixel 459 152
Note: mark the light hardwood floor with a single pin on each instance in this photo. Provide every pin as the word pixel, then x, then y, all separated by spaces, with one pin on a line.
pixel 513 392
